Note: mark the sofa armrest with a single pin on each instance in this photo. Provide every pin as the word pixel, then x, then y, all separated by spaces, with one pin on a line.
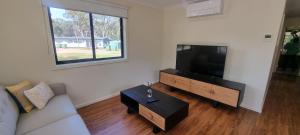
pixel 58 88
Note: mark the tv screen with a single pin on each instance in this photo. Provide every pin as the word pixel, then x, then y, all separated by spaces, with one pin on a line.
pixel 200 59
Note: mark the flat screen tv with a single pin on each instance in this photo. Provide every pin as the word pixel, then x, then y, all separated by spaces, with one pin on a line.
pixel 201 59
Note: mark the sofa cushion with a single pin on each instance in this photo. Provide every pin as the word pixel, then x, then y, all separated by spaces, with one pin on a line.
pixel 58 88
pixel 9 113
pixel 59 107
pixel 17 91
pixel 72 125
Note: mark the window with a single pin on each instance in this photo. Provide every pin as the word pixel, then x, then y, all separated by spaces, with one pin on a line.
pixel 84 36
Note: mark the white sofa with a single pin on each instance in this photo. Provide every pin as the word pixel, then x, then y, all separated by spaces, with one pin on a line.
pixel 59 117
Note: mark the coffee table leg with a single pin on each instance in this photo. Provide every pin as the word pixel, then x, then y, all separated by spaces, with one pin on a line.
pixel 130 111
pixel 156 129
pixel 215 104
pixel 172 89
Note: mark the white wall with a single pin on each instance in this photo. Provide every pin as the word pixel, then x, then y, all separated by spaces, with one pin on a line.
pixel 242 27
pixel 293 21
pixel 24 52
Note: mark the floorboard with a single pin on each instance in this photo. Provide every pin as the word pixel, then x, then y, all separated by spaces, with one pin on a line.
pixel 280 116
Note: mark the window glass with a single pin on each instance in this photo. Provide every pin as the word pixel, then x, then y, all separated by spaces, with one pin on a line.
pixel 107 31
pixel 72 34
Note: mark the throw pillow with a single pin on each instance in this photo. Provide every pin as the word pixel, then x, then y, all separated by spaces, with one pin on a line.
pixel 17 91
pixel 39 95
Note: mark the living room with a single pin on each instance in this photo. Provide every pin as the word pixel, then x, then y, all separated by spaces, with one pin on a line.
pixel 39 40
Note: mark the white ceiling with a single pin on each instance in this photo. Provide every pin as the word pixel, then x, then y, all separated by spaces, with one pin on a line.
pixel 158 3
pixel 293 8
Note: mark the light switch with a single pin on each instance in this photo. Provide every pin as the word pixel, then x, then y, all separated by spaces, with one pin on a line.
pixel 268 36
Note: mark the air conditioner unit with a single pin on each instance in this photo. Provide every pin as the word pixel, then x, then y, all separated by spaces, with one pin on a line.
pixel 203 7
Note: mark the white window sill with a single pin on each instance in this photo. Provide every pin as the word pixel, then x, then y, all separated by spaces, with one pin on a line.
pixel 89 63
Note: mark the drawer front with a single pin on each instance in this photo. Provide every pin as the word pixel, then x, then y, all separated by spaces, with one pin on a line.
pixel 152 116
pixel 182 83
pixel 175 81
pixel 201 88
pixel 225 95
pixel 167 79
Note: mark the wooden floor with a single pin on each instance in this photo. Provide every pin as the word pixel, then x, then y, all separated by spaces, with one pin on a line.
pixel 280 116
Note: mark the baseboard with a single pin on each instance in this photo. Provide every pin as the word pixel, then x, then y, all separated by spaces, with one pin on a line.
pixel 97 100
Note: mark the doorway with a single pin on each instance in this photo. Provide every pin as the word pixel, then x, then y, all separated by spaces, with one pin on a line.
pixel 289 59
pixel 288 54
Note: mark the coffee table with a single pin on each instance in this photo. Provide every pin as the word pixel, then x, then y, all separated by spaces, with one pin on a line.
pixel 164 113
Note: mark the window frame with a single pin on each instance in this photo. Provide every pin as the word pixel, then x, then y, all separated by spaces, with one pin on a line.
pixel 94 59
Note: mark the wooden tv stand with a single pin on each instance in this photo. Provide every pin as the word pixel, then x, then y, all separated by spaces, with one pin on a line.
pixel 217 89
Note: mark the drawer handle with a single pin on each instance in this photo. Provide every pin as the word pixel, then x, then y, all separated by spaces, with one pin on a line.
pixel 150 116
pixel 212 92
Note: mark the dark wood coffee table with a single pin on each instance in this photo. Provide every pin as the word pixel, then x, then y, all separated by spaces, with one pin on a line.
pixel 164 113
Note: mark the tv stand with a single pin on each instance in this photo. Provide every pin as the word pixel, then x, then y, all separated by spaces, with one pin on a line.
pixel 214 88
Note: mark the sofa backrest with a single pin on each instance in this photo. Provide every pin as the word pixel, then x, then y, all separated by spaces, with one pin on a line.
pixel 9 113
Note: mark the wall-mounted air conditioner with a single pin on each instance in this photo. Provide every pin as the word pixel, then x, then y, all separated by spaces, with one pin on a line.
pixel 203 7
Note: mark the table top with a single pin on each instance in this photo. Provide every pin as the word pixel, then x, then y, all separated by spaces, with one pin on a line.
pixel 165 107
